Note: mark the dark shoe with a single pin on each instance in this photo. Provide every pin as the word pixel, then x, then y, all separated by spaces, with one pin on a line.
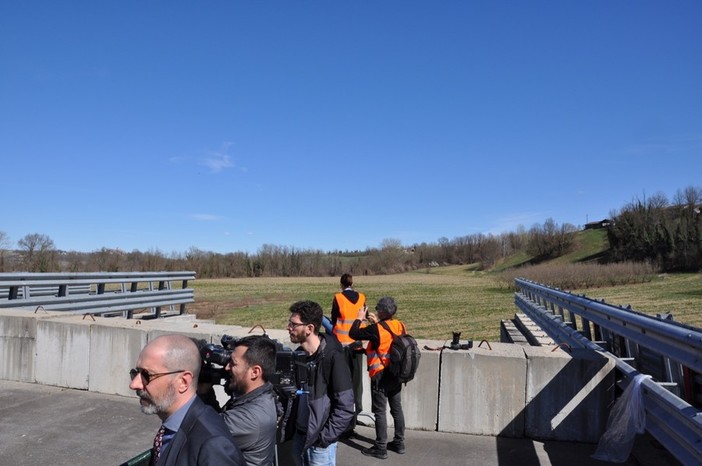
pixel 397 446
pixel 376 452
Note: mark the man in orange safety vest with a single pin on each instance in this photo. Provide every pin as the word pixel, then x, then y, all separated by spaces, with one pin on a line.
pixel 385 388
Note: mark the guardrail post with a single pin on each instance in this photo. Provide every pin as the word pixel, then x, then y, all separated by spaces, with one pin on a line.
pixel 586 329
pixel 182 306
pixel 573 321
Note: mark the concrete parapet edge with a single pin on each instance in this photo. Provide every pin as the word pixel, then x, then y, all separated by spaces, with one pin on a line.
pixel 495 389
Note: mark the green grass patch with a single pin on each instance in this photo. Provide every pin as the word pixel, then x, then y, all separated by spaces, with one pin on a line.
pixel 676 294
pixel 514 260
pixel 590 244
pixel 433 303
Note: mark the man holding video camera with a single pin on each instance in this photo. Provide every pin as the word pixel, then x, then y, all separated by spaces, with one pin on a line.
pixel 324 405
pixel 251 413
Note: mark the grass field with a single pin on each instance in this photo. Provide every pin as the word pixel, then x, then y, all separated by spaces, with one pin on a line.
pixel 677 294
pixel 433 302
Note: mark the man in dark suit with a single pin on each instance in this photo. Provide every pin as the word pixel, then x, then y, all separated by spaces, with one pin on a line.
pixel 165 380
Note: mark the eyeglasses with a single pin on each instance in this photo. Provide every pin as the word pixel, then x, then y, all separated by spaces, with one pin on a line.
pixel 147 377
pixel 295 324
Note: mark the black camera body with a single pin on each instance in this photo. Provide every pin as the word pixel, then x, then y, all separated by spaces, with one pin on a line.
pixel 456 342
pixel 212 355
pixel 290 371
pixel 289 377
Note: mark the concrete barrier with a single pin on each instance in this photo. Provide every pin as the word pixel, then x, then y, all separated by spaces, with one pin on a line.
pixel 509 333
pixel 534 334
pixel 482 390
pixel 18 333
pixel 568 394
pixel 63 353
pixel 495 389
pixel 420 397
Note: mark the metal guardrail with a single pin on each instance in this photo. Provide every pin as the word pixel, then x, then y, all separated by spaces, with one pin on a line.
pixel 97 293
pixel 44 290
pixel 675 423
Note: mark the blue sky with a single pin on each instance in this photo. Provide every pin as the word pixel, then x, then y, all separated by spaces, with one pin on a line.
pixel 333 125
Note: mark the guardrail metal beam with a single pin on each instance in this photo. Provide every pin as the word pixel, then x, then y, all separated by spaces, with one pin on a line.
pixel 676 424
pixel 52 291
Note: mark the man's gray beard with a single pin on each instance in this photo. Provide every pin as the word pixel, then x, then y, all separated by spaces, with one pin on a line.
pixel 157 406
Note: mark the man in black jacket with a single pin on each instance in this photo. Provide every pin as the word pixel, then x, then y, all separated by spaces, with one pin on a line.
pixel 328 389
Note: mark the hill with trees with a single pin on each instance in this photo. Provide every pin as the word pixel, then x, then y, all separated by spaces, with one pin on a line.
pixel 664 235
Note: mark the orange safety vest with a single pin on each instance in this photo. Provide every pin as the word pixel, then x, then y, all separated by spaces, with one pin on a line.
pixel 379 358
pixel 347 314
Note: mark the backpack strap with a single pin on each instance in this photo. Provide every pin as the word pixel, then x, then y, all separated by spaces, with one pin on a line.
pixel 387 327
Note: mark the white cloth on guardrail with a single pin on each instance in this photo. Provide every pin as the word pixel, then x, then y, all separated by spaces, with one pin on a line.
pixel 627 418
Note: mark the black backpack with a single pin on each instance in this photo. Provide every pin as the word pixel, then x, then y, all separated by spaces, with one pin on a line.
pixel 404 355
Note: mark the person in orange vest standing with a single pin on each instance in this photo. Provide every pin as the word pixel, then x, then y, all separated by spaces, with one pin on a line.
pixel 385 388
pixel 345 307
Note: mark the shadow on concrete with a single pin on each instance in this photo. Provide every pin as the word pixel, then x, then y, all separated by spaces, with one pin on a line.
pixel 565 410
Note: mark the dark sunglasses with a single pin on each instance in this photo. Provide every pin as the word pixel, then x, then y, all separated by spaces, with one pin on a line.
pixel 146 376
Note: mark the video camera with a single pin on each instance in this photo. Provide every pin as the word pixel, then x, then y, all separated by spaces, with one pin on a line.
pixel 290 377
pixel 456 342
pixel 290 374
pixel 212 355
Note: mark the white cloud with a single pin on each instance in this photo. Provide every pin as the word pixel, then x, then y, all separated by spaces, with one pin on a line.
pixel 217 162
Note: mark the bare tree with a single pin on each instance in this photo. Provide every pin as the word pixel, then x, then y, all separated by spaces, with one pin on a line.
pixel 4 244
pixel 658 201
pixel 550 240
pixel 39 253
pixel 691 196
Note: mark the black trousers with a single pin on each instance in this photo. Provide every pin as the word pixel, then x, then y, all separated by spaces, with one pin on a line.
pixel 354 358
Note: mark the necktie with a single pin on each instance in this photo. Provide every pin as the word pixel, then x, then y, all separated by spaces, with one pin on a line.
pixel 158 442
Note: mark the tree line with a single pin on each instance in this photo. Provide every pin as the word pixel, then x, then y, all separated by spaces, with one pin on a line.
pixel 667 235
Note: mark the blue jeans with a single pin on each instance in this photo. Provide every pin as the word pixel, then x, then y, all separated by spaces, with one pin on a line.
pixel 313 456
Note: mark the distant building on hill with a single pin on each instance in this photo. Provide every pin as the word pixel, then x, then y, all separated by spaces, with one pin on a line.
pixel 599 224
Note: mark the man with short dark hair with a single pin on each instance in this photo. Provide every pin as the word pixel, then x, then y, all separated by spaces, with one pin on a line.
pixel 385 388
pixel 345 306
pixel 325 406
pixel 165 380
pixel 251 414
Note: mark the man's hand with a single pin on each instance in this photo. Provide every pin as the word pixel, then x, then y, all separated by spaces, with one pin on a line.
pixel 372 318
pixel 362 313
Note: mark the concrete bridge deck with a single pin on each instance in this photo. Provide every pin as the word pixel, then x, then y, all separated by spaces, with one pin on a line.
pixel 42 424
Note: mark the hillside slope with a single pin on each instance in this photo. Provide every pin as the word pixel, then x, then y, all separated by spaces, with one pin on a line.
pixel 590 246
